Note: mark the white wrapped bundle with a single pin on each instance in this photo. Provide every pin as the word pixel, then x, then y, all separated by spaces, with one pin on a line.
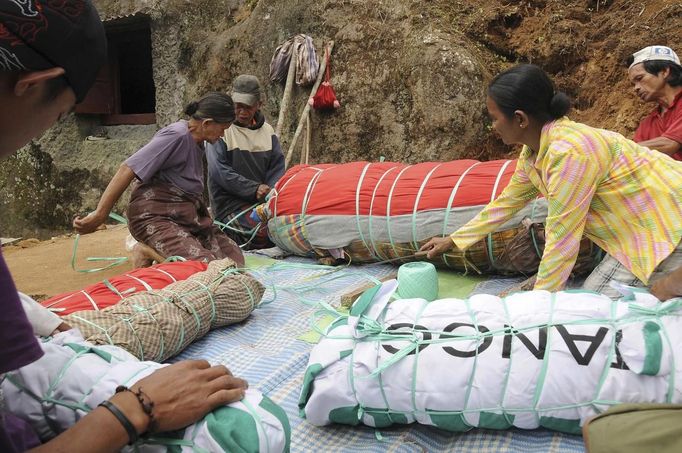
pixel 73 377
pixel 532 359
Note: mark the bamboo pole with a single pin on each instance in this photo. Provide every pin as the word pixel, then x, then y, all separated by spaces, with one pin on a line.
pixel 306 109
pixel 308 134
pixel 286 98
pixel 305 153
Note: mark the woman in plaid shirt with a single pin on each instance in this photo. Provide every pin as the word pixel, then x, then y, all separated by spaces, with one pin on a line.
pixel 624 197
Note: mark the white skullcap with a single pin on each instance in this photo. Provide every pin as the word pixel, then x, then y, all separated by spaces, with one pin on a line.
pixel 655 53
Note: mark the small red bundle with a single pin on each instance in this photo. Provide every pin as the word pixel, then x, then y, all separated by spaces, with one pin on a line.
pixel 325 98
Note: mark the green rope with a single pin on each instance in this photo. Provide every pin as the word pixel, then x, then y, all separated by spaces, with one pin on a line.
pixel 253 232
pixel 101 329
pixel 492 198
pixel 374 331
pixel 448 208
pixel 612 353
pixel 422 187
pixel 373 250
pixel 470 382
pixel 115 261
pixel 357 206
pixel 174 259
pixel 415 365
pixel 112 288
pixel 388 210
pixel 507 374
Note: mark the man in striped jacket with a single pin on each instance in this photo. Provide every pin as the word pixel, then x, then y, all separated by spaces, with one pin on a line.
pixel 243 166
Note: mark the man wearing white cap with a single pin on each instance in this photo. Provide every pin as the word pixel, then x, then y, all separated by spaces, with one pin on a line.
pixel 656 74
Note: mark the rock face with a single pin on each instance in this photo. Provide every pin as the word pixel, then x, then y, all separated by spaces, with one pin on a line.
pixel 410 76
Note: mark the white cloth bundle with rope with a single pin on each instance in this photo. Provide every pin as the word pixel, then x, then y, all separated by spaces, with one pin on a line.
pixel 73 377
pixel 156 325
pixel 533 359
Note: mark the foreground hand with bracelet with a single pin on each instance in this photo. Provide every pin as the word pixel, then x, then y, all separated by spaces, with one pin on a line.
pixel 139 426
pixel 181 394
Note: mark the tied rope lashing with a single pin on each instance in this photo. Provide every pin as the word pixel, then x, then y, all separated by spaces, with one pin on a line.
pixel 380 211
pixel 73 377
pixel 533 359
pixel 155 325
pixel 233 223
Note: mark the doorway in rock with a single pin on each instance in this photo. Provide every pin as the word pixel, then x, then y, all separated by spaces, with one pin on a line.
pixel 124 92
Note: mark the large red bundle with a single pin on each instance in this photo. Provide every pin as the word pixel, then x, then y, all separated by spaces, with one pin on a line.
pixel 111 291
pixel 366 212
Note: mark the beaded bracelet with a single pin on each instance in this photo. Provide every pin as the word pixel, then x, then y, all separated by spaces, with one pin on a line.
pixel 146 403
pixel 120 416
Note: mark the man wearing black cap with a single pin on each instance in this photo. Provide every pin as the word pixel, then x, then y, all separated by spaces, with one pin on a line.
pixel 50 53
pixel 49 58
pixel 244 166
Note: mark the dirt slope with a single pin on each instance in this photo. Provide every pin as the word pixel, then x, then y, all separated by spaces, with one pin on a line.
pixel 43 269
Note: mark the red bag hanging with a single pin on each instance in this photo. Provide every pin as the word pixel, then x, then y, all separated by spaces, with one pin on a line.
pixel 325 98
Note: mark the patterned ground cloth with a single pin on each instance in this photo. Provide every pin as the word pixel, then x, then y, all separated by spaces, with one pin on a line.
pixel 175 223
pixel 510 252
pixel 266 352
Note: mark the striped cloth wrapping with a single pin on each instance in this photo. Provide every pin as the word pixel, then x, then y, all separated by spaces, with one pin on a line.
pixel 156 325
pixel 73 377
pixel 372 212
pixel 112 290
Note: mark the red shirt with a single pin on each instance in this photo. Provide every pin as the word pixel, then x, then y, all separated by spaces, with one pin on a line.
pixel 667 124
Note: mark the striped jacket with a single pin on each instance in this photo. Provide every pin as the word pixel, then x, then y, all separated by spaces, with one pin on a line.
pixel 238 163
pixel 624 197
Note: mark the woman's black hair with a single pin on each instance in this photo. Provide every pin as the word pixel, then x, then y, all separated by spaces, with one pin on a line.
pixel 216 106
pixel 527 88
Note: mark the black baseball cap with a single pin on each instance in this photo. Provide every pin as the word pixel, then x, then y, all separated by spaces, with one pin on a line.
pixel 40 34
pixel 246 90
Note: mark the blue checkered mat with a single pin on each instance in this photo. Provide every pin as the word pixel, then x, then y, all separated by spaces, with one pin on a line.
pixel 265 350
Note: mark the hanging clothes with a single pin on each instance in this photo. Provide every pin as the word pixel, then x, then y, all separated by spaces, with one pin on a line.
pixel 307 65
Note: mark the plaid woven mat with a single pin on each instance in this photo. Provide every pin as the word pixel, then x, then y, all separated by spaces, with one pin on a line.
pixel 265 350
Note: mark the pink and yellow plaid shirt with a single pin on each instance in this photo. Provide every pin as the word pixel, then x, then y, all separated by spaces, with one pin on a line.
pixel 624 197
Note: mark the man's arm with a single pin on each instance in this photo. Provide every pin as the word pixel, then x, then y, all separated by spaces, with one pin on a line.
pixel 97 432
pixel 221 172
pixel 182 394
pixel 663 145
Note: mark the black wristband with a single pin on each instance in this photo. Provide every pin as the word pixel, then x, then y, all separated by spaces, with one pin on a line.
pixel 120 416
